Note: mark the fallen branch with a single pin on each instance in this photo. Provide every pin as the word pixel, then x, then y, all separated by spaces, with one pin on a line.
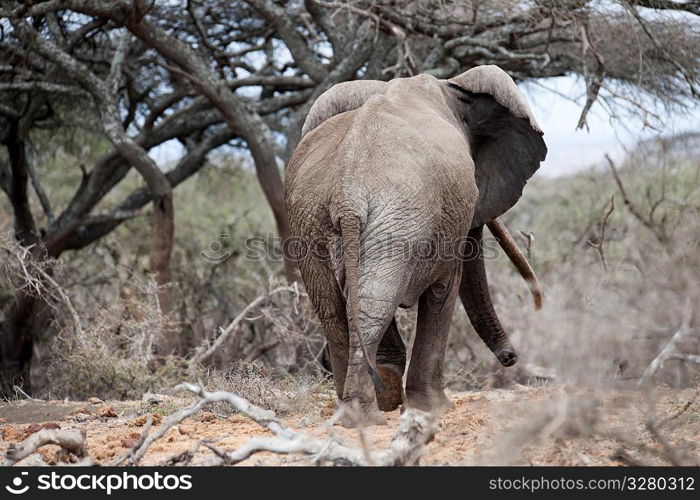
pixel 146 439
pixel 668 352
pixel 692 358
pixel 70 440
pixel 417 428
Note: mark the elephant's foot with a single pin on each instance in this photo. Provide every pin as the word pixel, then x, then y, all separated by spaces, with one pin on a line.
pixel 507 356
pixel 357 415
pixel 433 401
pixel 391 397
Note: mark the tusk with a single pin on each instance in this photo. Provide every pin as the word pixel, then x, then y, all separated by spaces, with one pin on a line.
pixel 500 232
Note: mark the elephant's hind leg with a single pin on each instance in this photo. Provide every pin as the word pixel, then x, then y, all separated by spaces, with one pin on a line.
pixel 376 314
pixel 391 363
pixel 424 383
pixel 328 301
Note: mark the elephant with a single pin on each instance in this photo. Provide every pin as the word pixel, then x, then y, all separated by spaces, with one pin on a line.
pixel 411 163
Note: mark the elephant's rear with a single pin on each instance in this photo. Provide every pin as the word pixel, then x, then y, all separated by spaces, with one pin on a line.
pixel 310 188
pixel 400 188
pixel 310 181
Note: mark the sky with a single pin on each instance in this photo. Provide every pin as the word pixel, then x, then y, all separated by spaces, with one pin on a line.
pixel 569 150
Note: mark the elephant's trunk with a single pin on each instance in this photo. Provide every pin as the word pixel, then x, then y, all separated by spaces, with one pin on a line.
pixel 476 298
pixel 500 232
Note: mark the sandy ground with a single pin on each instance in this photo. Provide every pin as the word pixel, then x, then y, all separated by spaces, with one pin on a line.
pixel 520 426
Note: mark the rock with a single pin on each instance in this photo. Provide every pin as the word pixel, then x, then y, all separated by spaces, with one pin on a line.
pixel 31 429
pixel 106 411
pixel 95 401
pixel 129 442
pixel 151 399
pixel 141 421
pixel 80 415
pixel 207 416
pixel 185 429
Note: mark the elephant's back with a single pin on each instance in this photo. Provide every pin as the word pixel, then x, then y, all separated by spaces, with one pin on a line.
pixel 410 155
pixel 388 156
pixel 404 134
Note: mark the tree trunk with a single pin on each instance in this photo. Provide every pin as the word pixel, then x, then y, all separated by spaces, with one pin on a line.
pixel 163 231
pixel 26 312
pixel 25 319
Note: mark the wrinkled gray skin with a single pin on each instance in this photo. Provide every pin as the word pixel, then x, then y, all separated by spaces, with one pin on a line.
pixel 383 164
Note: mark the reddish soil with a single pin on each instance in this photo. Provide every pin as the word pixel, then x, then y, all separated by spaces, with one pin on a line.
pixel 521 426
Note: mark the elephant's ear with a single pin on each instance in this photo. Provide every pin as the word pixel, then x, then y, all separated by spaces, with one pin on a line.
pixel 506 141
pixel 340 98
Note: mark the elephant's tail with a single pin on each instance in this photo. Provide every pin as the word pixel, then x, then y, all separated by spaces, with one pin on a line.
pixel 500 232
pixel 350 238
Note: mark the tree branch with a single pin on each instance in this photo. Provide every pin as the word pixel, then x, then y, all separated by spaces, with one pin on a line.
pixel 70 440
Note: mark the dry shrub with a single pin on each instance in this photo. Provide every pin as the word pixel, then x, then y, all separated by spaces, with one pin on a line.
pixel 598 327
pixel 583 426
pixel 113 356
pixel 300 394
pixel 284 332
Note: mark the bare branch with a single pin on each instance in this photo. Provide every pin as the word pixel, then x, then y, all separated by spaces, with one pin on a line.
pixel 205 353
pixel 28 267
pixel 689 78
pixel 70 440
pixel 44 86
pixel 659 230
pixel 115 70
pixel 40 192
pixel 416 429
pixel 599 242
pixel 692 6
pixel 284 26
pixel 669 351
pixel 528 238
